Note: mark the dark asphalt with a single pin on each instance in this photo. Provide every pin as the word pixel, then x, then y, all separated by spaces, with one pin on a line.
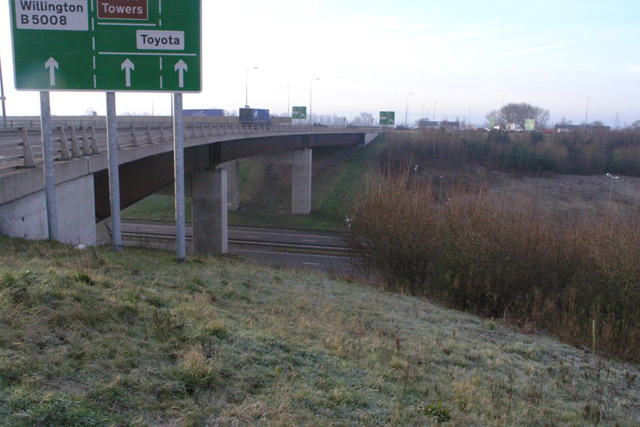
pixel 312 250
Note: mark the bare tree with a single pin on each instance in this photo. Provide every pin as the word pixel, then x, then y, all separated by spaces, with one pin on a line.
pixel 519 113
pixel 364 119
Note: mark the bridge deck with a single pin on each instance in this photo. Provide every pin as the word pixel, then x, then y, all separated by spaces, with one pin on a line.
pixel 146 153
pixel 21 144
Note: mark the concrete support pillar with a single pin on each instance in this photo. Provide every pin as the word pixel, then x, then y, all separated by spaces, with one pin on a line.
pixel 210 224
pixel 301 182
pixel 233 184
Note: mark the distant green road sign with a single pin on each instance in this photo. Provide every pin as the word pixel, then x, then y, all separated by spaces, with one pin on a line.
pixel 387 117
pixel 299 113
pixel 529 124
pixel 107 45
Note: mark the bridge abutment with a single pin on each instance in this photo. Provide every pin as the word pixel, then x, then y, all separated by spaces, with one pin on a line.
pixel 26 217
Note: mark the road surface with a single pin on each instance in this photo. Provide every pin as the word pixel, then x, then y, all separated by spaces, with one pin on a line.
pixel 314 250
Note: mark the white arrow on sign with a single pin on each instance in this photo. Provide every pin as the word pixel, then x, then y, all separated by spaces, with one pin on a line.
pixel 127 66
pixel 52 65
pixel 181 67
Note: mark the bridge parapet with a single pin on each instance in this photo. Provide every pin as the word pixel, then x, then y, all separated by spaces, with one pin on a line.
pixel 21 146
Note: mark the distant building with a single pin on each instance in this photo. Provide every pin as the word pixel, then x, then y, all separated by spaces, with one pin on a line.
pixel 427 124
pixel 450 126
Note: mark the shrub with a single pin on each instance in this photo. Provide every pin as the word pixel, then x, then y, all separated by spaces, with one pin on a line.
pixel 499 259
pixel 498 136
pixel 575 153
pixel 398 234
pixel 536 136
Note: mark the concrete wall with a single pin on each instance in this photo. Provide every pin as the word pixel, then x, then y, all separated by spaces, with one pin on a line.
pixel 368 137
pixel 27 217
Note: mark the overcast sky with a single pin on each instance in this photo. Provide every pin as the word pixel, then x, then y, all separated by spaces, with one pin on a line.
pixel 369 55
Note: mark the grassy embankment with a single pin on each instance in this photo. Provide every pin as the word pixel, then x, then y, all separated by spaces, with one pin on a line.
pixel 265 192
pixel 554 260
pixel 97 338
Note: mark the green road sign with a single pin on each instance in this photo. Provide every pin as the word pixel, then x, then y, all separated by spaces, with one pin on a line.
pixel 492 122
pixel 387 117
pixel 107 45
pixel 299 113
pixel 529 124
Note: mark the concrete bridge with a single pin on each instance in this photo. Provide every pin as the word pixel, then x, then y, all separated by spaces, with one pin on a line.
pixel 212 152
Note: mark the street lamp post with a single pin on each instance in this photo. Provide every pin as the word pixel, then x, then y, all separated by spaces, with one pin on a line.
pixel 311 100
pixel 502 121
pixel 288 100
pixel 586 117
pixel 2 98
pixel 246 99
pixel 434 110
pixel 406 109
pixel 610 192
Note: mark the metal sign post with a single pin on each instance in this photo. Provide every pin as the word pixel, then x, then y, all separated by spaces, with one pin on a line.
pixel 2 99
pixel 114 176
pixel 109 46
pixel 178 164
pixel 49 177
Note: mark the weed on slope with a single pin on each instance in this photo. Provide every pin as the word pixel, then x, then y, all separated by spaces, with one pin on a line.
pixel 97 338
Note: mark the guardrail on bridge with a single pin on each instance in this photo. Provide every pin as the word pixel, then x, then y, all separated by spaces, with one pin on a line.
pixel 21 146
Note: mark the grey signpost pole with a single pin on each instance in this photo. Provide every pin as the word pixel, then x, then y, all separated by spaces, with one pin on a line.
pixel 49 176
pixel 178 163
pixel 114 177
pixel 2 99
